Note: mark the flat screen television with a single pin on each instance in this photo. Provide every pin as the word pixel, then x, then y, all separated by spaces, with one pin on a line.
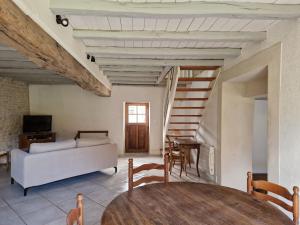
pixel 37 123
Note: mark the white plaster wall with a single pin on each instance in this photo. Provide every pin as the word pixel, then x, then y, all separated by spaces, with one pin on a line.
pixel 283 65
pixel 236 135
pixel 290 109
pixel 209 128
pixel 260 137
pixel 226 129
pixel 76 109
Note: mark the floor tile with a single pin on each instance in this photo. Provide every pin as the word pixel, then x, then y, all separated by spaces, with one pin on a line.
pixel 103 195
pixel 9 217
pixel 48 204
pixel 71 203
pixel 2 203
pixel 85 187
pixel 30 205
pixel 43 216
pixel 59 195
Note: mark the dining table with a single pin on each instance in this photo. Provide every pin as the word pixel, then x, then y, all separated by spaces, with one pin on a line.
pixel 187 203
pixel 188 145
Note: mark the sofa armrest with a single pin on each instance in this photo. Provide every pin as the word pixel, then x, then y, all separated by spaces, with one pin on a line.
pixel 18 165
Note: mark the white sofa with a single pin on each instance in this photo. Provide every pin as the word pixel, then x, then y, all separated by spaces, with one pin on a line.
pixel 47 164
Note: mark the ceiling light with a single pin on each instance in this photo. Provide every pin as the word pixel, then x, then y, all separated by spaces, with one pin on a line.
pixel 64 22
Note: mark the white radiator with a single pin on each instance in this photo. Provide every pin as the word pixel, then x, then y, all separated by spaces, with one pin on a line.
pixel 207 159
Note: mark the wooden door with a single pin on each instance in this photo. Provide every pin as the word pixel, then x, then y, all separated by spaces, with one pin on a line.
pixel 136 127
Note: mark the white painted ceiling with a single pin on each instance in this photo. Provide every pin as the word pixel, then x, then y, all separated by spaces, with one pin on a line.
pixel 16 66
pixel 126 66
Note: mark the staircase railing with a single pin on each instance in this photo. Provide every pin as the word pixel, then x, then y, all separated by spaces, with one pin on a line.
pixel 172 80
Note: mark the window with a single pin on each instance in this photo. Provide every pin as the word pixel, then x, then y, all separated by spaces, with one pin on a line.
pixel 136 114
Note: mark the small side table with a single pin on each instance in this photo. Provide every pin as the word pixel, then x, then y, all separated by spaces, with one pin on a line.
pixel 7 155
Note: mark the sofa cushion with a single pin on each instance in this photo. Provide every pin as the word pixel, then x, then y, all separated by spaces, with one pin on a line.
pixel 52 146
pixel 86 142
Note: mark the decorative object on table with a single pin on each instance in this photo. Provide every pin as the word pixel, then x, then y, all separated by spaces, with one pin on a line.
pixel 75 216
pixel 189 204
pixel 149 166
pixel 254 187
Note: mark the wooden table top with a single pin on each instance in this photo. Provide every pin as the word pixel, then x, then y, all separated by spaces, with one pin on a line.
pixel 187 142
pixel 190 203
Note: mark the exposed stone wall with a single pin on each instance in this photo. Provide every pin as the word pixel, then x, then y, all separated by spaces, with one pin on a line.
pixel 14 103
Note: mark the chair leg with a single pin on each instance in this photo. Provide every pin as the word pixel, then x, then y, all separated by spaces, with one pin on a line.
pixel 185 163
pixel 181 167
pixel 12 181
pixel 190 159
pixel 171 166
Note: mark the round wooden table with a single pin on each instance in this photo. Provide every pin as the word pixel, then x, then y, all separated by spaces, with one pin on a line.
pixel 190 203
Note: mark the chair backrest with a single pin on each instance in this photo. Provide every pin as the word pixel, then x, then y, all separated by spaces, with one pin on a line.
pixel 148 179
pixel 253 188
pixel 75 216
pixel 171 144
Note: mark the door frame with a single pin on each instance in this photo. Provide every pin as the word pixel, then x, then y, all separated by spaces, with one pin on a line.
pixel 147 104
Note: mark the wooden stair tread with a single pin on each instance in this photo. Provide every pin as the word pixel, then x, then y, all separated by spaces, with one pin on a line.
pixel 184 115
pixel 188 107
pixel 181 135
pixel 178 129
pixel 190 99
pixel 193 89
pixel 184 123
pixel 196 78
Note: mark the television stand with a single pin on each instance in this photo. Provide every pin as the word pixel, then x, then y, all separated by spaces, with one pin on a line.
pixel 28 138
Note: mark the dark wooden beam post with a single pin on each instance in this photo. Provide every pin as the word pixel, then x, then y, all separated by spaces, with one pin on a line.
pixel 19 31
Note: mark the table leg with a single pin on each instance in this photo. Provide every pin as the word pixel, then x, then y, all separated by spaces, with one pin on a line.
pixel 197 163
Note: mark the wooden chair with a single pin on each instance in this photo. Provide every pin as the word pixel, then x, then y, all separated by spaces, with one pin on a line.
pixel 76 215
pixel 253 188
pixel 149 166
pixel 176 154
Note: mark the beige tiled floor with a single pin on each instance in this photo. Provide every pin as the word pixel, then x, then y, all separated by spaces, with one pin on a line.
pixel 48 204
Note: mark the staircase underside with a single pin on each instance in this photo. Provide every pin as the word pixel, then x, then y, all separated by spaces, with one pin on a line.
pixel 192 92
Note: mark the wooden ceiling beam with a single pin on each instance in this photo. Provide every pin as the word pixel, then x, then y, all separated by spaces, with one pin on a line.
pixel 163 74
pixel 132 68
pixel 199 67
pixel 131 74
pixel 203 36
pixel 19 31
pixel 132 82
pixel 176 9
pixel 157 62
pixel 199 53
pixel 17 65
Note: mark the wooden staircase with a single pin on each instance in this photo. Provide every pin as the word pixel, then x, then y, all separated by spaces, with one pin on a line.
pixel 192 92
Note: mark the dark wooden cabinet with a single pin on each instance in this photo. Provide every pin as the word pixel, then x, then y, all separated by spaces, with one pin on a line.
pixel 26 139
